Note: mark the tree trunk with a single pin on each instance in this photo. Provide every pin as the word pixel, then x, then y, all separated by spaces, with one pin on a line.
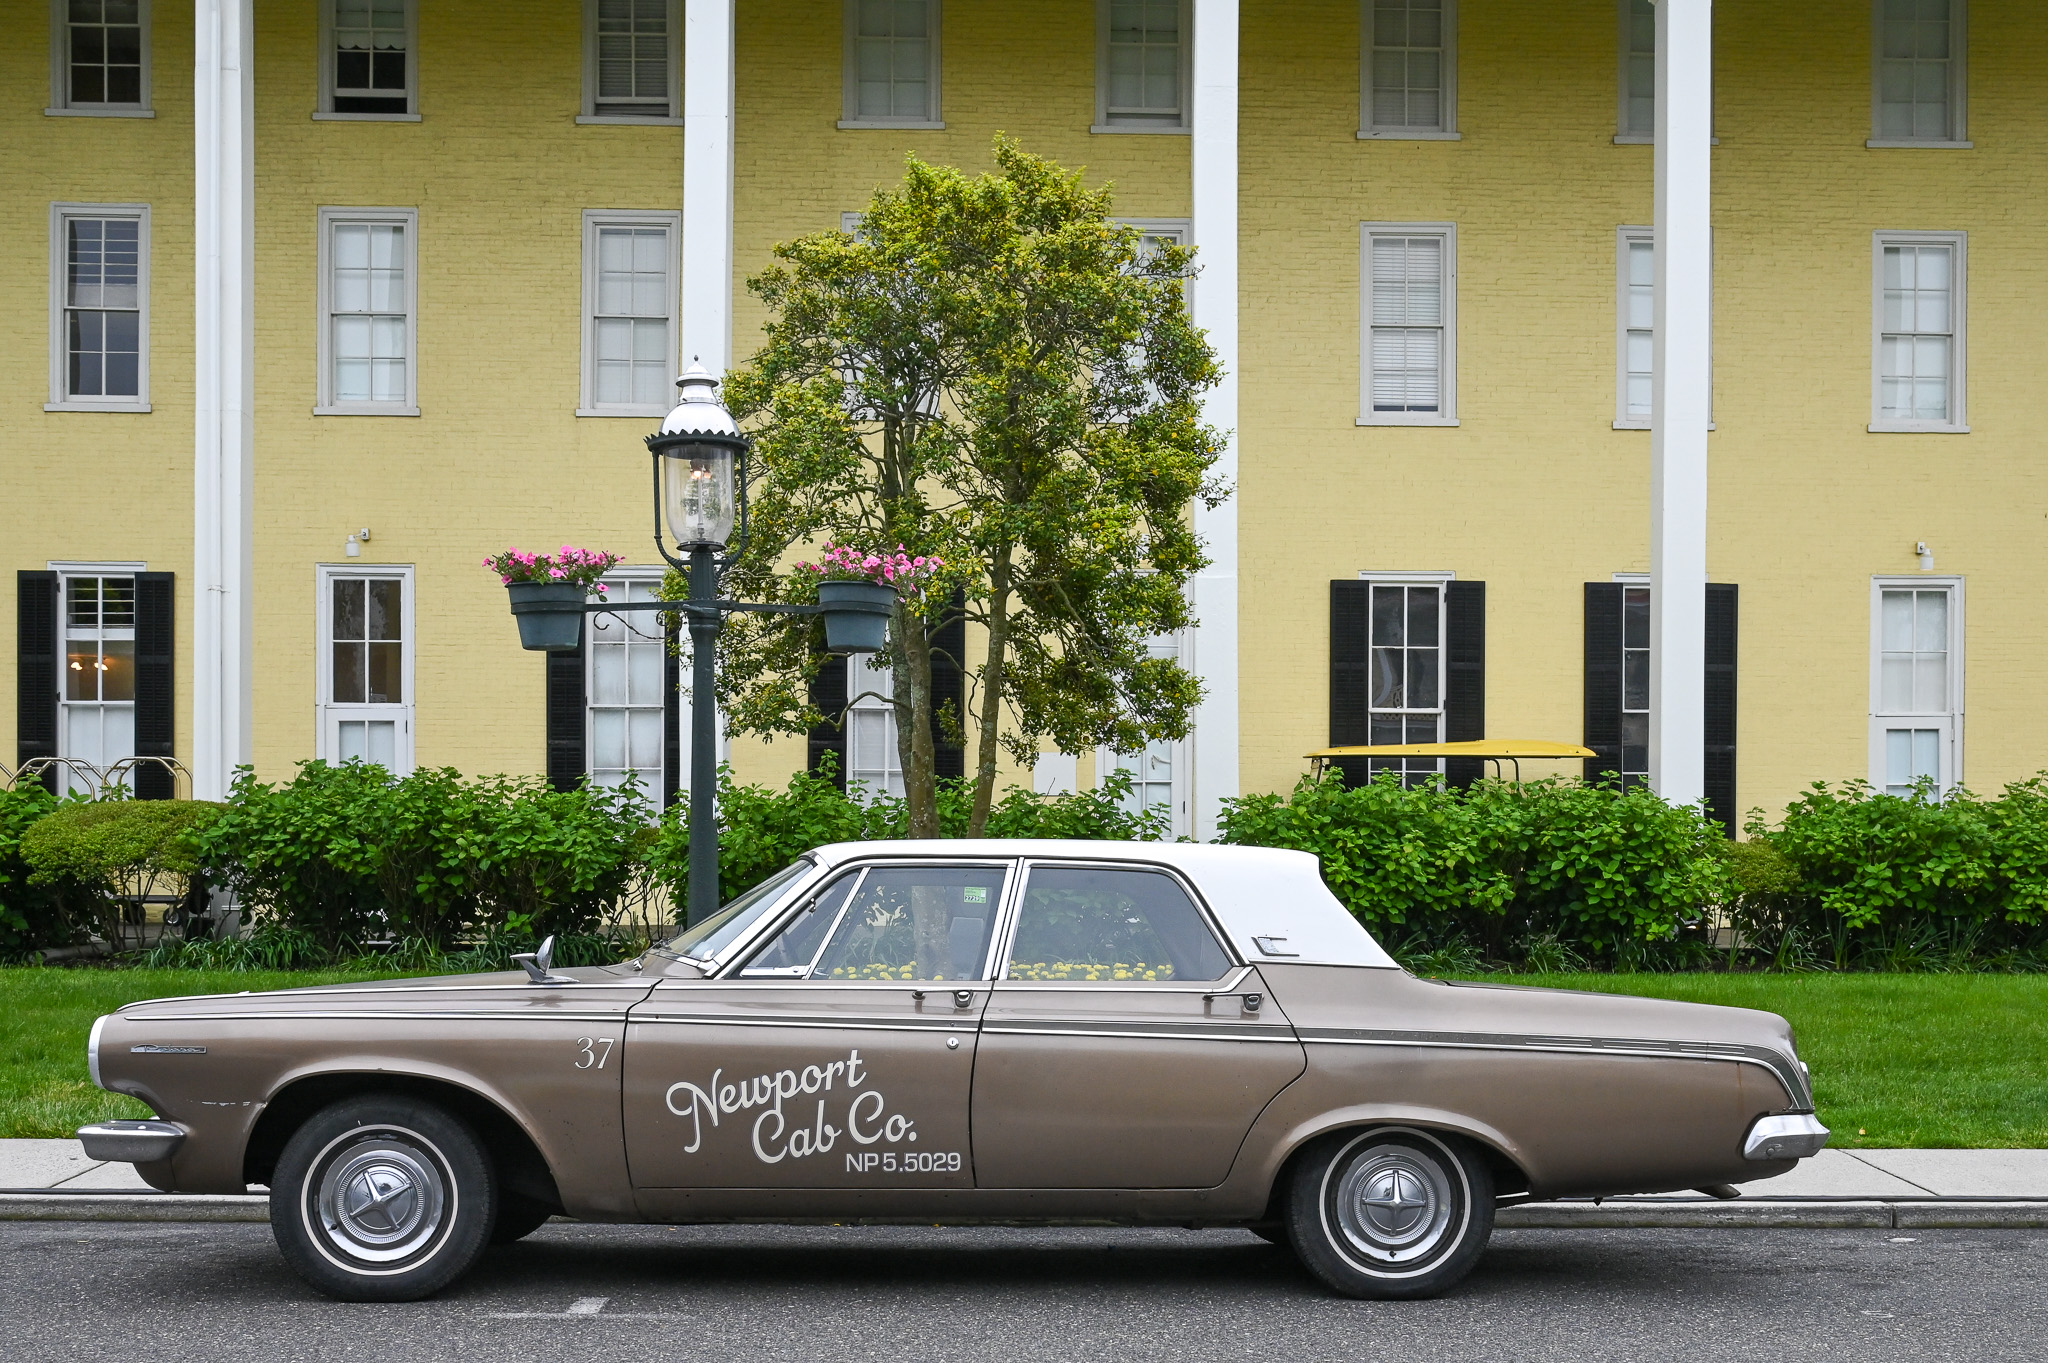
pixel 992 688
pixel 912 687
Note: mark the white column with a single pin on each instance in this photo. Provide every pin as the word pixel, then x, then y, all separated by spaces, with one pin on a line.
pixel 1681 403
pixel 707 183
pixel 224 376
pixel 1213 174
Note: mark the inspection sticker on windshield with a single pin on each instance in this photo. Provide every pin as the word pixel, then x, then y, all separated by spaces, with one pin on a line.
pixel 974 894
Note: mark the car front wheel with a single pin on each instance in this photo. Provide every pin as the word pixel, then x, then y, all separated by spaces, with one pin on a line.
pixel 382 1199
pixel 1392 1213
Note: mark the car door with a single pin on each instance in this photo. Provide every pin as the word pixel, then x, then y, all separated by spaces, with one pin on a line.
pixel 1122 1046
pixel 838 1055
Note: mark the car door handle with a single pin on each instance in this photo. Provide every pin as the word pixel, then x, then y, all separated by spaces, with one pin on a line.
pixel 1250 1003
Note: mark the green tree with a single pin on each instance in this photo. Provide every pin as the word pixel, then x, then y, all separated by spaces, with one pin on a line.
pixel 993 370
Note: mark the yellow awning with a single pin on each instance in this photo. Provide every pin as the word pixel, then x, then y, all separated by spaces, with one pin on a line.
pixel 1502 749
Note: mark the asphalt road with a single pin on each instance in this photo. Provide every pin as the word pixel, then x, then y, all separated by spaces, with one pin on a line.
pixel 740 1294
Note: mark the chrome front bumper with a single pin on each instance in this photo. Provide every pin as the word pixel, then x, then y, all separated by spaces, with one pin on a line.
pixel 131 1142
pixel 1796 1135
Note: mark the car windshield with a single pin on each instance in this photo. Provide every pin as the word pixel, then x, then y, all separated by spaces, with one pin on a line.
pixel 703 941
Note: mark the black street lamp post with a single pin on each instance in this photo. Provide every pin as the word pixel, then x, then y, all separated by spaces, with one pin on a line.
pixel 700 500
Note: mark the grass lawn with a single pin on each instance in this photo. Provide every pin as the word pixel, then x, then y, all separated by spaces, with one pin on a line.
pixel 1898 1060
pixel 46 1014
pixel 1955 1061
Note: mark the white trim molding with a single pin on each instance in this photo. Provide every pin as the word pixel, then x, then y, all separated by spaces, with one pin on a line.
pixel 1957 399
pixel 669 113
pixel 1149 121
pixel 707 259
pixel 851 116
pixel 1446 412
pixel 595 222
pixel 1407 575
pixel 1212 647
pixel 62 105
pixel 328 55
pixel 1445 129
pixel 224 381
pixel 327 711
pixel 1626 239
pixel 1955 136
pixel 408 221
pixel 1946 723
pixel 61 397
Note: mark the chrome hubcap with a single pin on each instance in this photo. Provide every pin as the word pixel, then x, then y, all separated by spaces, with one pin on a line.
pixel 1394 1205
pixel 381 1198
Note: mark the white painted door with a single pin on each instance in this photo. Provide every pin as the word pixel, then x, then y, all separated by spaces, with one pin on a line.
pixel 366 668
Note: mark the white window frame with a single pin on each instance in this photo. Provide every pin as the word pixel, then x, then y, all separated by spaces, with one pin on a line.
pixel 637 575
pixel 849 75
pixel 330 218
pixel 594 221
pixel 1441 582
pixel 1447 378
pixel 1958 410
pixel 1625 238
pixel 60 358
pixel 65 571
pixel 326 712
pixel 1949 722
pixel 61 103
pixel 863 698
pixel 1103 120
pixel 1447 124
pixel 674 117
pixel 1624 135
pixel 325 109
pixel 1180 817
pixel 1958 82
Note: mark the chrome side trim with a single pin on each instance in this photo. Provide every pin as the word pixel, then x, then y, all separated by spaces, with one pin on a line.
pixel 338 991
pixel 1791 1135
pixel 1147 1032
pixel 967 1021
pixel 131 1142
pixel 1763 1057
pixel 1226 985
pixel 92 1051
pixel 423 1015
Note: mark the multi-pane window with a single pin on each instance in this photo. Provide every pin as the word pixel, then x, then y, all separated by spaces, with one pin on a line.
pixel 101 297
pixel 634 49
pixel 1919 331
pixel 1919 71
pixel 98 686
pixel 102 55
pixel 1638 69
pixel 1155 770
pixel 1143 64
pixel 1407 694
pixel 1635 686
pixel 630 288
pixel 1637 330
pixel 367 288
pixel 628 660
pixel 366 711
pixel 1409 305
pixel 1410 68
pixel 872 757
pixel 369 57
pixel 1916 714
pixel 892 62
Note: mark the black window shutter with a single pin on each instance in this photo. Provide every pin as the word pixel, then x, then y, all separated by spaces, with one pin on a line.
pixel 1603 678
pixel 1720 687
pixel 828 698
pixel 567 762
pixel 1351 673
pixel 949 649
pixel 35 676
pixel 156 661
pixel 1464 676
pixel 671 717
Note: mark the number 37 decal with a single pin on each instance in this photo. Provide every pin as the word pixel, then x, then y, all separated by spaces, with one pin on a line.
pixel 592 1053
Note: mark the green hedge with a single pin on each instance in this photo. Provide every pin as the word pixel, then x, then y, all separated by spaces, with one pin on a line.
pixel 30 914
pixel 100 858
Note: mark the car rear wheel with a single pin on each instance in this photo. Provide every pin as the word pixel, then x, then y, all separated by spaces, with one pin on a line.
pixel 1391 1213
pixel 382 1199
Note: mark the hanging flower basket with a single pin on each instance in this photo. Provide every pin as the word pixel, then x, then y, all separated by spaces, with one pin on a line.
pixel 550 614
pixel 856 615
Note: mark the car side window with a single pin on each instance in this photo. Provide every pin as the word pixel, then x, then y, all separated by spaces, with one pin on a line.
pixel 895 923
pixel 794 950
pixel 1097 923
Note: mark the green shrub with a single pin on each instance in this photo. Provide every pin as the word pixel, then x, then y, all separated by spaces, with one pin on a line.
pixel 102 858
pixel 30 914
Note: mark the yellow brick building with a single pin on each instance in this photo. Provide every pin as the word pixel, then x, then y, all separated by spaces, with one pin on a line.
pixel 285 271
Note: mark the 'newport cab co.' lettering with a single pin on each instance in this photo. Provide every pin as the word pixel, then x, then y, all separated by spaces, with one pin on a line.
pixel 776 1136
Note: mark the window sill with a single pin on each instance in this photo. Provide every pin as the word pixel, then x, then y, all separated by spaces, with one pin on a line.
pixel 1915 428
pixel 1930 145
pixel 1139 128
pixel 1644 425
pixel 75 406
pixel 627 121
pixel 876 124
pixel 639 413
pixel 366 409
pixel 1407 135
pixel 322 117
pixel 99 113
pixel 1403 419
pixel 1647 140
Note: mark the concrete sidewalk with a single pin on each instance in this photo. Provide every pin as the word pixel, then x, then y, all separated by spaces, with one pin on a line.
pixel 53 1180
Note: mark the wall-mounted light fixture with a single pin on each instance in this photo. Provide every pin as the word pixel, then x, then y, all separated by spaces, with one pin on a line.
pixel 1926 556
pixel 356 541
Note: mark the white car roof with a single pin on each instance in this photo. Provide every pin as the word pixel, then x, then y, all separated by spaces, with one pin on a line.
pixel 1271 901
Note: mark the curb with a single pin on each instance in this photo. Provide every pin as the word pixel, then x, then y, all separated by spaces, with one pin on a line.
pixel 1758 1214
pixel 83 1206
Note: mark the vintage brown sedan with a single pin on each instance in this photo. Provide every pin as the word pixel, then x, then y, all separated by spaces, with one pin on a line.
pixel 954 1031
